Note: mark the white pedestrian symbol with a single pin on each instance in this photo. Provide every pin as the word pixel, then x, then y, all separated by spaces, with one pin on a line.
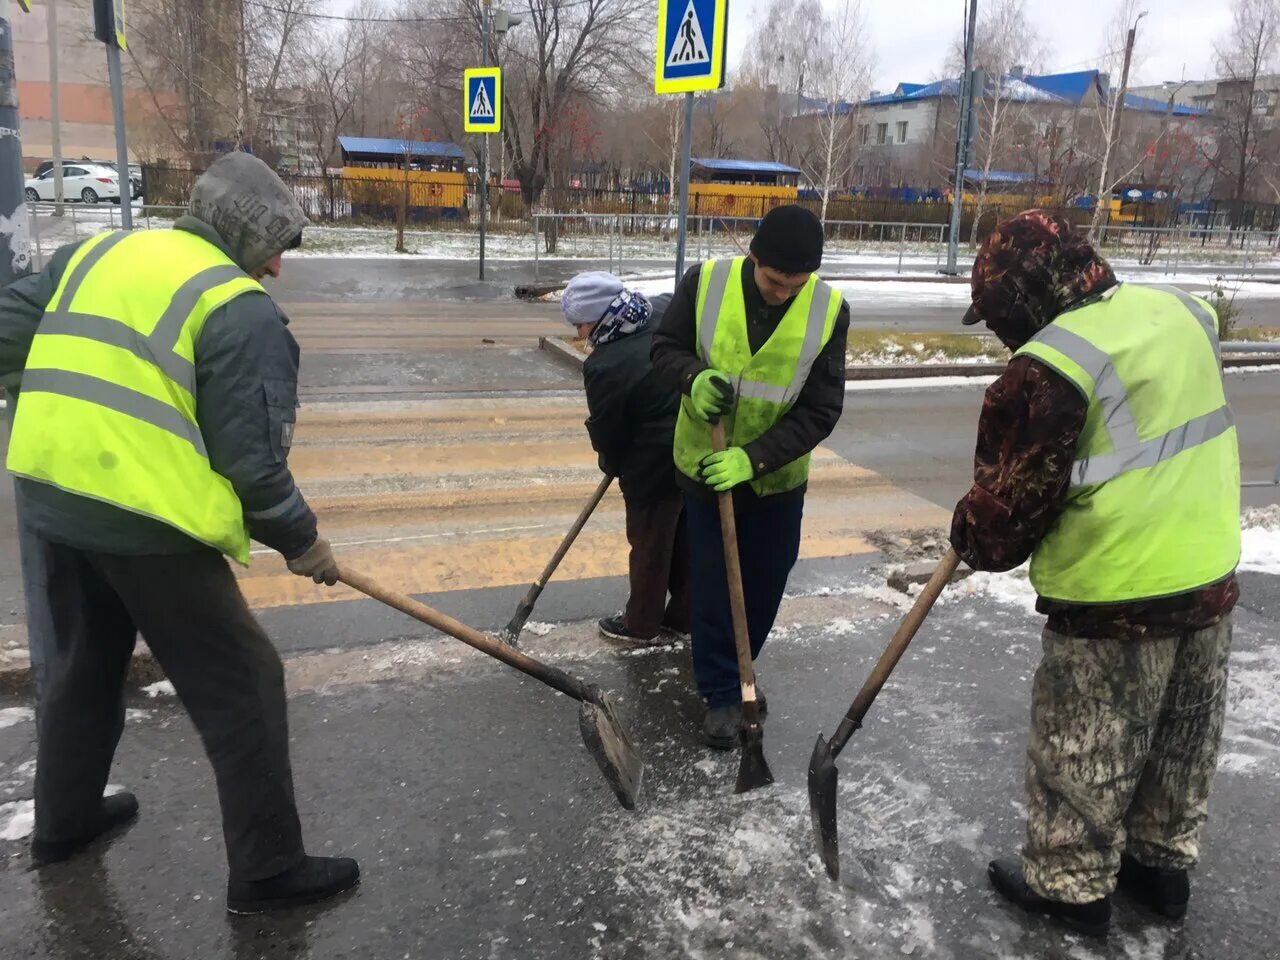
pixel 481 107
pixel 689 46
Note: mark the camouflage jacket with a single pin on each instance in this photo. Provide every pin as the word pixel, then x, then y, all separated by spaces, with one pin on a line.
pixel 1027 435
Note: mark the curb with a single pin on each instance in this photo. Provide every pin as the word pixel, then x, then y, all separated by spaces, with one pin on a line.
pixel 15 673
pixel 562 351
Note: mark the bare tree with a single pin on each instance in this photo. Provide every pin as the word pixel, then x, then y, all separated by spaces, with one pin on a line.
pixel 1005 39
pixel 1122 47
pixel 842 78
pixel 1245 54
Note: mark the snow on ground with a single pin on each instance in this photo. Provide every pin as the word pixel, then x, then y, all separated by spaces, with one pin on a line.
pixel 10 716
pixel 1260 540
pixel 161 688
pixel 17 819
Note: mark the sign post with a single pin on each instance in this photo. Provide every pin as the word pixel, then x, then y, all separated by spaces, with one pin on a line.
pixel 15 235
pixel 482 113
pixel 109 27
pixel 690 59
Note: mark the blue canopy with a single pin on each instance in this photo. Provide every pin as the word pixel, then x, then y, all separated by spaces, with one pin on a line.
pixel 391 149
pixel 744 166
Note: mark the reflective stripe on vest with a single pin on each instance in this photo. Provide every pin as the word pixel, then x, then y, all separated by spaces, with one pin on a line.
pixel 1130 453
pixel 768 381
pixel 1152 508
pixel 109 392
pixel 814 339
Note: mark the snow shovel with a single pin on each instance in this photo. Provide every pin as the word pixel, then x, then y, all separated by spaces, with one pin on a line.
pixel 511 635
pixel 606 740
pixel 753 769
pixel 822 765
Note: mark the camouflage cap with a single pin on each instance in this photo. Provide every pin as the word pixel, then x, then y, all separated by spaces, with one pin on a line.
pixel 1032 267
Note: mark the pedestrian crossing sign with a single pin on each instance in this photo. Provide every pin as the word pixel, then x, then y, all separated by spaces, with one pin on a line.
pixel 482 100
pixel 690 45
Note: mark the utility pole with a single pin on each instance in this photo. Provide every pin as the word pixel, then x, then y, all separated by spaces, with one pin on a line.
pixel 1113 135
pixel 962 139
pixel 55 124
pixel 15 244
pixel 682 231
pixel 487 15
pixel 109 27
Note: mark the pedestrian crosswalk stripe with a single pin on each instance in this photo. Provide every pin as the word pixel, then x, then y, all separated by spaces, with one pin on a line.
pixel 689 46
pixel 441 495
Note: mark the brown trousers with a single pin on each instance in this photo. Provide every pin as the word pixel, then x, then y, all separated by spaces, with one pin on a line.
pixel 659 566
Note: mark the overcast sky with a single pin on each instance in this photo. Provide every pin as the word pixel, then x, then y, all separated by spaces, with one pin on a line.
pixel 911 37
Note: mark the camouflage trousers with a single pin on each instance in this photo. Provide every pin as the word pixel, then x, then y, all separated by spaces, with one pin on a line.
pixel 1123 748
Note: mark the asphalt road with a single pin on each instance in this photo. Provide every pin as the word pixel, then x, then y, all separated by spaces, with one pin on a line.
pixel 450 466
pixel 401 284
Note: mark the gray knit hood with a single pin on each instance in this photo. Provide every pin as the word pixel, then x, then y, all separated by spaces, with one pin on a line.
pixel 250 208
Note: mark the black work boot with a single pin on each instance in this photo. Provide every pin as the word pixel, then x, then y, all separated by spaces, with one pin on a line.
pixel 1164 891
pixel 1092 919
pixel 315 878
pixel 721 725
pixel 116 811
pixel 613 628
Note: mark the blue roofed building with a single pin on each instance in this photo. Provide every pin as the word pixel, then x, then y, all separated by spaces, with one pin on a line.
pixel 1050 131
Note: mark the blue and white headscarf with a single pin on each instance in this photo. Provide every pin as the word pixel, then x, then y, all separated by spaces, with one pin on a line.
pixel 628 313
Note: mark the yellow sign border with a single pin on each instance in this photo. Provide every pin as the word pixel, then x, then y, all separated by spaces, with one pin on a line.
pixel 467 76
pixel 715 79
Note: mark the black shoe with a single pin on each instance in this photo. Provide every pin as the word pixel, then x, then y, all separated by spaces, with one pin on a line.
pixel 1164 891
pixel 1092 919
pixel 116 811
pixel 613 628
pixel 315 878
pixel 721 725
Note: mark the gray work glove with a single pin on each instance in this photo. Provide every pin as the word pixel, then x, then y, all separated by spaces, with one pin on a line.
pixel 317 563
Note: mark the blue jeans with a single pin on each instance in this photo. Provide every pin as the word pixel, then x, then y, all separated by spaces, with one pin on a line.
pixel 768 545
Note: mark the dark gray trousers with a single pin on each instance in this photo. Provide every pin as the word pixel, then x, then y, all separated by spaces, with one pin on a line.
pixel 227 674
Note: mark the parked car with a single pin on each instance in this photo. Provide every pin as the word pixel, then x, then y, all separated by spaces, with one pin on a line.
pixel 135 172
pixel 88 182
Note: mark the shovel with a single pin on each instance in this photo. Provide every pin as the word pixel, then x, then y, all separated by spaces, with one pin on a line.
pixel 606 740
pixel 822 765
pixel 511 635
pixel 753 769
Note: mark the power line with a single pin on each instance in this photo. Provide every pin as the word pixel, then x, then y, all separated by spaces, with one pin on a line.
pixel 350 18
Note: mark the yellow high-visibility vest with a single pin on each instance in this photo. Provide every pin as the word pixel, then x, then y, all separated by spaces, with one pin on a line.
pixel 1153 506
pixel 766 383
pixel 108 405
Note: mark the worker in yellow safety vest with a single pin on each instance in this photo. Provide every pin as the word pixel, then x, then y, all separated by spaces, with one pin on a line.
pixel 1107 455
pixel 157 387
pixel 758 341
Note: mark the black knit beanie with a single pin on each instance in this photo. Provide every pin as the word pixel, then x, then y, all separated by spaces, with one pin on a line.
pixel 789 239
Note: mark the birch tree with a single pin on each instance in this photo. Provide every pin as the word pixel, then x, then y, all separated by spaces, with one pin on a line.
pixel 842 76
pixel 1247 52
pixel 1005 39
pixel 1110 106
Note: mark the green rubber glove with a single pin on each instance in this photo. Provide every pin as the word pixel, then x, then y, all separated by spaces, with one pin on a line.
pixel 712 395
pixel 724 471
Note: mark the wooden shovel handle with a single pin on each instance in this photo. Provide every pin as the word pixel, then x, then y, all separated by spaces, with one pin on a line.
pixel 893 652
pixel 536 588
pixel 569 685
pixel 733 574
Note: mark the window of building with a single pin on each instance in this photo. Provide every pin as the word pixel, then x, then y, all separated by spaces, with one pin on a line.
pixel 902 131
pixel 864 133
pixel 882 133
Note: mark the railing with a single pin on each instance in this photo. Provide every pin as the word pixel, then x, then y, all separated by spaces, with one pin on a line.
pixel 52 225
pixel 617 237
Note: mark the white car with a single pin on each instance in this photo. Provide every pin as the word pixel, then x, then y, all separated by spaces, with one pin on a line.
pixel 87 182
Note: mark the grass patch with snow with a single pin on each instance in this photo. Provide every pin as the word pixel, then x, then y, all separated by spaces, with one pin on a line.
pixel 870 347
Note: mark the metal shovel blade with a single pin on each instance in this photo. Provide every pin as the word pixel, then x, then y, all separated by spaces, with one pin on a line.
pixel 822 805
pixel 753 769
pixel 609 745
